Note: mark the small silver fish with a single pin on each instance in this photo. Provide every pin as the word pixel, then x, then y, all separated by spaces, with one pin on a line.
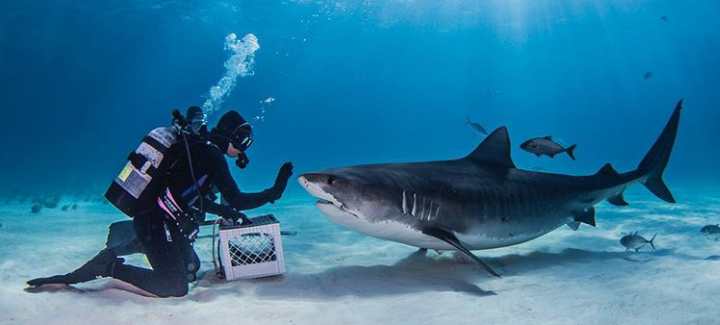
pixel 546 146
pixel 636 242
pixel 476 126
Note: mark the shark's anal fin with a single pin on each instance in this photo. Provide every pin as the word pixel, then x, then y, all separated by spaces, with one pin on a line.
pixel 494 150
pixel 574 225
pixel 449 238
pixel 586 216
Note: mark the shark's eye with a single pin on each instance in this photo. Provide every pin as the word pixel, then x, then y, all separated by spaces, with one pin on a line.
pixel 330 180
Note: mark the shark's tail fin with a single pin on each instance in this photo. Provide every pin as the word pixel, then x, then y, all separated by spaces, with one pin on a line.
pixel 571 151
pixel 655 161
pixel 651 241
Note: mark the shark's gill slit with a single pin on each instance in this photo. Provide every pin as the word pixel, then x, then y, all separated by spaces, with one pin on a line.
pixel 404 203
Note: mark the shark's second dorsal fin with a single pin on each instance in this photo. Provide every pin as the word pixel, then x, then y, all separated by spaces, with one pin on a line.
pixel 608 171
pixel 494 150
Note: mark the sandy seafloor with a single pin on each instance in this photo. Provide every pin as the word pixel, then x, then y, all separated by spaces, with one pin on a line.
pixel 336 276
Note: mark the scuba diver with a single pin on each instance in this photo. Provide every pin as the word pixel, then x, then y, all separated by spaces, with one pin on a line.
pixel 166 187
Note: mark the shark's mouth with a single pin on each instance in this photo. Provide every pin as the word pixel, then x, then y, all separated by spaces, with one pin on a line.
pixel 324 198
pixel 337 205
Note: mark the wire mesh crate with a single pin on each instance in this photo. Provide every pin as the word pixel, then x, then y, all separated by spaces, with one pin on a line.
pixel 252 251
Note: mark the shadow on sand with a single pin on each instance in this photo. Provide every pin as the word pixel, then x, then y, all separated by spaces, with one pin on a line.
pixel 416 273
pixel 420 273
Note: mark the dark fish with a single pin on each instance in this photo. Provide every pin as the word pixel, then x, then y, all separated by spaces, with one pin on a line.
pixel 546 146
pixel 636 242
pixel 648 75
pixel 36 207
pixel 664 18
pixel 65 207
pixel 476 126
pixel 74 206
pixel 52 201
pixel 711 231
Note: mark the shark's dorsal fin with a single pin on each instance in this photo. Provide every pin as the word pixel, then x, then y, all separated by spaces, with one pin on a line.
pixel 549 137
pixel 494 150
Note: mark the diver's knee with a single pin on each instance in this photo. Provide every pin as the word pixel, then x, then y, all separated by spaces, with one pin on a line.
pixel 176 287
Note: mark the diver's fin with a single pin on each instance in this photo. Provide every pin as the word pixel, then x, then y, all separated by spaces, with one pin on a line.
pixel 655 161
pixel 618 200
pixel 119 232
pixel 98 266
pixel 122 238
pixel 494 150
pixel 449 238
pixel 586 216
pixel 574 225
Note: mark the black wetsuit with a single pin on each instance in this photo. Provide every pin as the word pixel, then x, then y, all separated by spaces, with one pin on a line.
pixel 170 253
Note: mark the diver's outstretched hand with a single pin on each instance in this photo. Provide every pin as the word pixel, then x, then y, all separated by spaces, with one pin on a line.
pixel 286 171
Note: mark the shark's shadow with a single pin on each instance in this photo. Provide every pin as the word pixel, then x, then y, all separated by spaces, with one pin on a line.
pixel 413 274
pixel 517 264
pixel 420 273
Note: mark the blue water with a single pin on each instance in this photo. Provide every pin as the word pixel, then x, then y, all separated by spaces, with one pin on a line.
pixel 348 82
pixel 358 82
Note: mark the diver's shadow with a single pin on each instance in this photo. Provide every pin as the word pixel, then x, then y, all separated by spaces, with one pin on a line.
pixel 413 274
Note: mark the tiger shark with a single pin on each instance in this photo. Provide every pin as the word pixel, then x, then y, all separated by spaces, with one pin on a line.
pixel 480 201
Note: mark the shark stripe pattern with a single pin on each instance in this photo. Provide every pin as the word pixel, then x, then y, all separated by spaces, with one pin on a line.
pixel 486 201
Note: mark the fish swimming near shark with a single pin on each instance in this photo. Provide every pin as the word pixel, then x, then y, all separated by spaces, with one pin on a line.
pixel 636 242
pixel 480 201
pixel 546 146
pixel 476 126
pixel 711 232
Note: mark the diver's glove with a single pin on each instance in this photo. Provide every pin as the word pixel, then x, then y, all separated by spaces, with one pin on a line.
pixel 233 217
pixel 281 181
pixel 238 217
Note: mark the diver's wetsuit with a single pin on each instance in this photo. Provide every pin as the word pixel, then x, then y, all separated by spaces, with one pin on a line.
pixel 171 255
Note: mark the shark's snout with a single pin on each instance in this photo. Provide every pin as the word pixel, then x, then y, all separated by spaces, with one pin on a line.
pixel 315 178
pixel 319 186
pixel 330 190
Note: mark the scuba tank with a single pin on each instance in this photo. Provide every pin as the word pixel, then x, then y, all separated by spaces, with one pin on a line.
pixel 146 167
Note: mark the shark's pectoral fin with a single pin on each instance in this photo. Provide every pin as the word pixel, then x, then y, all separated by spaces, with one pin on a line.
pixel 574 225
pixel 449 238
pixel 618 200
pixel 586 216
